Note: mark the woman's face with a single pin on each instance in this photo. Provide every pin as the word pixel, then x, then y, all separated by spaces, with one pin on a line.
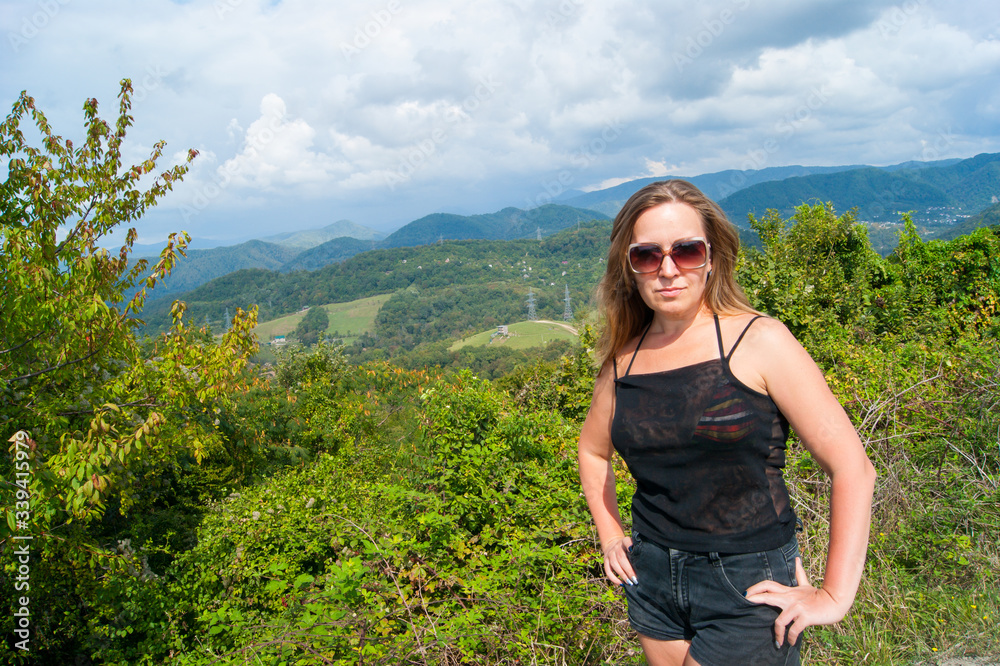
pixel 671 291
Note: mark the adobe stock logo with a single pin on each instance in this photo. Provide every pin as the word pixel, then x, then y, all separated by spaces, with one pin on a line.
pixel 416 156
pixel 364 34
pixel 32 25
pixel 712 29
pixel 583 157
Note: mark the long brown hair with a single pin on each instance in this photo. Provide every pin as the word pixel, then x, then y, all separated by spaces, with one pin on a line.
pixel 625 313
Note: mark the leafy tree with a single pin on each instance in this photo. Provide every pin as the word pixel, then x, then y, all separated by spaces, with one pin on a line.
pixel 107 425
pixel 816 273
pixel 313 326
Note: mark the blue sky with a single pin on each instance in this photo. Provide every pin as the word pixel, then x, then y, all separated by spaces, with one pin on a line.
pixel 383 111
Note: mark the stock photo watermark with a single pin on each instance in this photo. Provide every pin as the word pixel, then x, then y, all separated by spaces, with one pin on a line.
pixel 563 13
pixel 19 520
pixel 894 20
pixel 884 202
pixel 417 155
pixel 33 24
pixel 151 81
pixel 583 157
pixel 223 7
pixel 370 30
pixel 230 169
pixel 784 128
pixel 712 29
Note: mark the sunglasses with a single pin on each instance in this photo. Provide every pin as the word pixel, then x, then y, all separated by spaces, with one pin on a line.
pixel 686 255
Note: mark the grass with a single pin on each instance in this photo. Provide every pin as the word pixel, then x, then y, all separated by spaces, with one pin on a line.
pixel 349 320
pixel 522 335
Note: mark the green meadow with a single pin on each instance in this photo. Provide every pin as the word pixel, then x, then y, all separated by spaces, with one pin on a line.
pixel 349 319
pixel 521 335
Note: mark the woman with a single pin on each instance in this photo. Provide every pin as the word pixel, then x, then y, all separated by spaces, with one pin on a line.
pixel 696 392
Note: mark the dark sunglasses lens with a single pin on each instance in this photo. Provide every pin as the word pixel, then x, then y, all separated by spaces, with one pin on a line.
pixel 645 258
pixel 689 254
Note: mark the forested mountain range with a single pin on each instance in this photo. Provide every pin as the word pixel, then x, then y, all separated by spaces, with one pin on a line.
pixel 716 186
pixel 310 238
pixel 495 274
pixel 723 184
pixel 507 224
pixel 938 195
pixel 293 252
pixel 941 195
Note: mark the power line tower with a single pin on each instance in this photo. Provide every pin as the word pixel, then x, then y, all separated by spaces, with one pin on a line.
pixel 532 315
pixel 568 310
pixel 538 233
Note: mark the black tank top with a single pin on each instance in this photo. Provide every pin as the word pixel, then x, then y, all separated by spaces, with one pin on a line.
pixel 707 454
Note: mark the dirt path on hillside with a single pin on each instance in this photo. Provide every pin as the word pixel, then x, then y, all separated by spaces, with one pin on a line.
pixel 561 324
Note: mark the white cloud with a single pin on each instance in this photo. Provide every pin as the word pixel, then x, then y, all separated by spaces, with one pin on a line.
pixel 357 94
pixel 278 152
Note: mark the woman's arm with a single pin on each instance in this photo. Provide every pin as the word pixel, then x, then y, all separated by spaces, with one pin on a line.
pixel 800 391
pixel 598 479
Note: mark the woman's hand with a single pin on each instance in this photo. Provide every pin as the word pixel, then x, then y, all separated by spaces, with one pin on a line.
pixel 801 606
pixel 617 566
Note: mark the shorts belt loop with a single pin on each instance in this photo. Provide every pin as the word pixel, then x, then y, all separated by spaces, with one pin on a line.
pixel 716 559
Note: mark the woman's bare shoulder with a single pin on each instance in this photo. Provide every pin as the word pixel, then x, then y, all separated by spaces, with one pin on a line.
pixel 756 329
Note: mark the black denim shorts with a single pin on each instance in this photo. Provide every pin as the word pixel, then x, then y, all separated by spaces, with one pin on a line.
pixel 700 597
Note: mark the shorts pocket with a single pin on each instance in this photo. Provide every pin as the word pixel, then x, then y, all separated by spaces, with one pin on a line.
pixel 736 573
pixel 788 553
pixel 633 550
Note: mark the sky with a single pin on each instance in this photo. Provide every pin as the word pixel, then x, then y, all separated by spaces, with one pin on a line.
pixel 383 111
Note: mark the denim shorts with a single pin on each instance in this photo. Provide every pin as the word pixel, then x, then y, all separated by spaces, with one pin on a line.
pixel 700 597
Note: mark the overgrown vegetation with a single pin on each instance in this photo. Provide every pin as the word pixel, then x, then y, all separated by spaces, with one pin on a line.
pixel 187 508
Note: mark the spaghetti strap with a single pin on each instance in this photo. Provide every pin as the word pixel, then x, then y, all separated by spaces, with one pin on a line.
pixel 739 339
pixel 718 334
pixel 639 344
pixel 614 364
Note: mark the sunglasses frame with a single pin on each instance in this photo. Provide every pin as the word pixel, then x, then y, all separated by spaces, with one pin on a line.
pixel 669 253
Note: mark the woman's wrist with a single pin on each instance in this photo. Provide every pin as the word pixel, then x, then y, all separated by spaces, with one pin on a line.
pixel 611 543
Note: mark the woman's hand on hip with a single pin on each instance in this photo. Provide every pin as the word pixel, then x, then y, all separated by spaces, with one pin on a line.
pixel 802 606
pixel 617 565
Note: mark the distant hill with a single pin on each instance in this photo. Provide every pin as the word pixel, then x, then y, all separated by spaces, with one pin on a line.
pixel 433 284
pixel 987 218
pixel 941 193
pixel 937 193
pixel 292 251
pixel 877 194
pixel 309 238
pixel 140 250
pixel 715 185
pixel 507 224
pixel 775 184
pixel 329 252
pixel 201 266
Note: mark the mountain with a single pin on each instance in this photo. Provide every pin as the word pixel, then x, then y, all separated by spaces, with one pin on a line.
pixel 200 266
pixel 153 249
pixel 987 218
pixel 291 254
pixel 327 253
pixel 428 279
pixel 937 194
pixel 876 193
pixel 715 185
pixel 308 238
pixel 507 224
pixel 941 193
